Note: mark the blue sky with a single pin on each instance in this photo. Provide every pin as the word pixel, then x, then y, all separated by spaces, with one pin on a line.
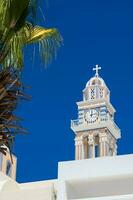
pixel 94 32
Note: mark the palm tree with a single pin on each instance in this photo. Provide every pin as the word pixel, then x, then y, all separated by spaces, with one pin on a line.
pixel 16 31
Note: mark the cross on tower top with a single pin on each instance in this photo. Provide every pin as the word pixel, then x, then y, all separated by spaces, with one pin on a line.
pixel 97 68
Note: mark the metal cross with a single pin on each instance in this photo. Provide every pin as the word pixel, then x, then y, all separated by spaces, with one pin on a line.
pixel 97 68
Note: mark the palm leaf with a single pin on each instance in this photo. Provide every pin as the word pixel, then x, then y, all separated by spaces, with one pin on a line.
pixel 10 87
pixel 49 40
pixel 13 16
pixel 16 12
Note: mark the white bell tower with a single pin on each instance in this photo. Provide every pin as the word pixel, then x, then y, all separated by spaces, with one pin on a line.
pixel 95 131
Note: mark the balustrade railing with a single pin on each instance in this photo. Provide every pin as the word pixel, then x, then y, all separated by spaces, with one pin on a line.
pixel 78 123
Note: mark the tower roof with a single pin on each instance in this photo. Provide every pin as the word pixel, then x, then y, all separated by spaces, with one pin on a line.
pixel 96 88
pixel 96 81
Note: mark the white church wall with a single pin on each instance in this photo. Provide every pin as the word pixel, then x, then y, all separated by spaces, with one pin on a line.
pixel 61 190
pixel 7 184
pixel 39 194
pixel 96 167
pixel 96 178
pixel 38 184
pixel 121 197
pixel 95 188
pixel 42 190
pixel 11 190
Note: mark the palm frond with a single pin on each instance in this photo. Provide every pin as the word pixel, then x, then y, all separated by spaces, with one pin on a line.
pixel 13 15
pixel 16 13
pixel 49 41
pixel 16 32
pixel 10 88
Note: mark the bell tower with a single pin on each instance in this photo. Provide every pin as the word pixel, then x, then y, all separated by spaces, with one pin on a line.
pixel 96 133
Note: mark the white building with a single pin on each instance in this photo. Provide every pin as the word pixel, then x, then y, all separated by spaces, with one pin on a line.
pixel 97 172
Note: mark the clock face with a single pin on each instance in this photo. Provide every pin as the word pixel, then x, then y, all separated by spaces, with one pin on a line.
pixel 91 115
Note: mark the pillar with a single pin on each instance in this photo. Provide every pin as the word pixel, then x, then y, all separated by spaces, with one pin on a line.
pixel 91 146
pixel 115 150
pixel 104 144
pixel 79 148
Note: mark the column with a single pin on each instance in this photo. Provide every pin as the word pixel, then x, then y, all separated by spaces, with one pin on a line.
pixel 104 144
pixel 79 148
pixel 111 147
pixel 115 150
pixel 85 147
pixel 91 146
pixel 76 149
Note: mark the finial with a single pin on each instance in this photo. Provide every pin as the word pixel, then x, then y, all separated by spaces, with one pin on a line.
pixel 97 68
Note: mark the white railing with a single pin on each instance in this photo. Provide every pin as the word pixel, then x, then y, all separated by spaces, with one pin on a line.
pixel 79 125
pixel 78 122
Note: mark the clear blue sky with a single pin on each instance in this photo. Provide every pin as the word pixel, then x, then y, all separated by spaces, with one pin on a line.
pixel 94 32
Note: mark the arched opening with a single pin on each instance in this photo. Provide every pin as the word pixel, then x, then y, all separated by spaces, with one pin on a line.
pixel 8 168
pixel 97 150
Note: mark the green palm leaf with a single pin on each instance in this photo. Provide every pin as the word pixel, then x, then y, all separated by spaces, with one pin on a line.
pixel 49 40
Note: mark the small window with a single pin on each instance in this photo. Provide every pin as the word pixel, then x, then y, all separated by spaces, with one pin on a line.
pixel 92 93
pixel 8 168
pixel 99 82
pixel 93 82
pixel 101 93
pixel 97 151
